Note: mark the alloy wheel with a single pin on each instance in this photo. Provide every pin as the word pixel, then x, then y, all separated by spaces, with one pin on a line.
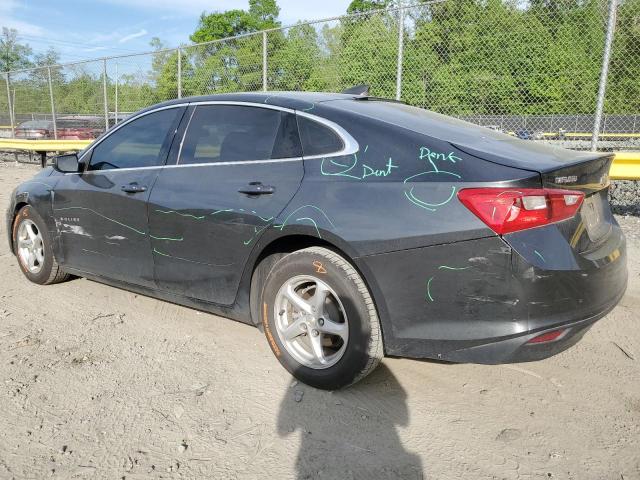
pixel 30 246
pixel 311 322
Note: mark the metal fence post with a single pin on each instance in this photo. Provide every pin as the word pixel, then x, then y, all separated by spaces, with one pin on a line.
pixel 264 61
pixel 13 105
pixel 115 116
pixel 400 52
pixel 104 92
pixel 53 107
pixel 179 72
pixel 604 73
pixel 13 132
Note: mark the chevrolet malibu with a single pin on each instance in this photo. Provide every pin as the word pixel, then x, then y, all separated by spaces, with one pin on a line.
pixel 344 226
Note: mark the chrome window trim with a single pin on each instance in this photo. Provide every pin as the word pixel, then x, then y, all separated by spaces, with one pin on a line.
pixel 243 104
pixel 188 165
pixel 126 122
pixel 350 144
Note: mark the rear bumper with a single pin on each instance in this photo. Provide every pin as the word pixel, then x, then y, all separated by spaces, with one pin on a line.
pixel 480 301
pixel 516 349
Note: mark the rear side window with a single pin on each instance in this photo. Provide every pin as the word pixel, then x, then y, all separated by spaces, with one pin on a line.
pixel 318 139
pixel 137 144
pixel 233 133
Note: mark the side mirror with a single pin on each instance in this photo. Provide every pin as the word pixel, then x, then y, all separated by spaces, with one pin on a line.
pixel 67 163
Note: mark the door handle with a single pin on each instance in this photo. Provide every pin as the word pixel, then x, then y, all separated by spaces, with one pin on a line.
pixel 257 188
pixel 133 188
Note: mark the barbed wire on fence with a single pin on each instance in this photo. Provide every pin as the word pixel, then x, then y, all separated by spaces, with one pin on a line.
pixel 529 67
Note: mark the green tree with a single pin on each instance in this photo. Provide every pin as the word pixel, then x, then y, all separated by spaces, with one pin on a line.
pixel 623 89
pixel 42 62
pixel 295 63
pixel 13 55
pixel 266 12
pixel 234 64
pixel 360 6
pixel 368 54
pixel 495 57
pixel 262 14
pixel 49 57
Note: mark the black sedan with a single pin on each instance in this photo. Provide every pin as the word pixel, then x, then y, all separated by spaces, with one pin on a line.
pixel 346 227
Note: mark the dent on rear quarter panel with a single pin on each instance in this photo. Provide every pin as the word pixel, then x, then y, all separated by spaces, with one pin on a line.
pixel 455 292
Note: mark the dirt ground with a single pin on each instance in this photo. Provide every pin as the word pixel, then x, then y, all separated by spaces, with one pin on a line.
pixel 102 383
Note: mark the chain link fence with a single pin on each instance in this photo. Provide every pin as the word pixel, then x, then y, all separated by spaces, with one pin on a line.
pixel 529 68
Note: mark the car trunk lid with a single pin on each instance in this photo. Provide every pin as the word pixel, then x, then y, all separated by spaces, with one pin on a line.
pixel 587 172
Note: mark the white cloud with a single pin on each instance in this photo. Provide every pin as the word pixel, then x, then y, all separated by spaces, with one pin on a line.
pixel 7 10
pixel 131 36
pixel 290 10
pixel 23 28
pixel 94 49
pixel 183 6
pixel 104 37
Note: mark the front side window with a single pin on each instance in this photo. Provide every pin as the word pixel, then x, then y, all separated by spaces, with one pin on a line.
pixel 137 144
pixel 232 133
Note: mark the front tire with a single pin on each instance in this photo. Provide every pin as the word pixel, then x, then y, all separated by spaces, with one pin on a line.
pixel 320 319
pixel 33 247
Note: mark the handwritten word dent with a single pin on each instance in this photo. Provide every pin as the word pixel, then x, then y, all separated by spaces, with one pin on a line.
pixel 368 171
pixel 347 170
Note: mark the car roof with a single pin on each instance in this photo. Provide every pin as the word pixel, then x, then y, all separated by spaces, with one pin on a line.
pixel 293 100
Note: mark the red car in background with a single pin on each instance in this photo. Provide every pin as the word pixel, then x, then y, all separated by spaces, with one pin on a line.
pixel 35 130
pixel 79 127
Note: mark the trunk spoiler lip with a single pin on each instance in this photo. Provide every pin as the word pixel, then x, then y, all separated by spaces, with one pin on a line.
pixel 579 158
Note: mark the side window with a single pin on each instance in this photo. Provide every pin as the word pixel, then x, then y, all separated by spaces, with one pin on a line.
pixel 318 139
pixel 137 144
pixel 231 133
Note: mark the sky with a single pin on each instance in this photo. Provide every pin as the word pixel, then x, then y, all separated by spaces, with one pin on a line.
pixel 81 29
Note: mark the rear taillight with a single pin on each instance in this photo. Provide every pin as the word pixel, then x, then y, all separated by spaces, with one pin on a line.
pixel 548 337
pixel 507 210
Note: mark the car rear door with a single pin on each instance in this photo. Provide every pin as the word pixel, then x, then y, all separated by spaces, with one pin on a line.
pixel 101 213
pixel 235 170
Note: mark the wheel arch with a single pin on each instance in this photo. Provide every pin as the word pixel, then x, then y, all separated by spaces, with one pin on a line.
pixel 20 204
pixel 280 246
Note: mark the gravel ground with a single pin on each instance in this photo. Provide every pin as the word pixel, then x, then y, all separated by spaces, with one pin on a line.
pixel 625 197
pixel 102 383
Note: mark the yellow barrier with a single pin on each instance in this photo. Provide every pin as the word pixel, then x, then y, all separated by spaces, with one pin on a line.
pixel 42 145
pixel 626 166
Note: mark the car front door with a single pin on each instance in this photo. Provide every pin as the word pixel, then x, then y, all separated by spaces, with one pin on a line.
pixel 101 213
pixel 237 168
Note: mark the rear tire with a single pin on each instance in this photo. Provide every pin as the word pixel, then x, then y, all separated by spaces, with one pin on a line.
pixel 320 319
pixel 33 247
